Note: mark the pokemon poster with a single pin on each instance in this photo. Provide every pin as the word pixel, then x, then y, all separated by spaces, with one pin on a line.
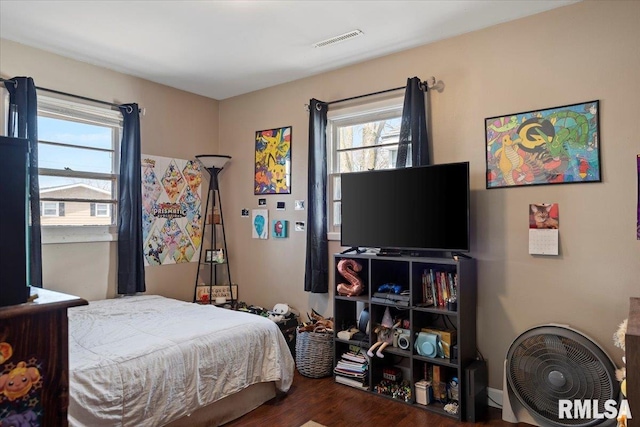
pixel 171 210
pixel 273 161
pixel 554 146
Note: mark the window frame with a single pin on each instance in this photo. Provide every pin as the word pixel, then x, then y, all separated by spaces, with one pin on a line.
pixel 106 209
pixel 43 208
pixel 350 116
pixel 86 113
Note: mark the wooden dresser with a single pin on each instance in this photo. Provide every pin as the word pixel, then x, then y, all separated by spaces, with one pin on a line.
pixel 34 360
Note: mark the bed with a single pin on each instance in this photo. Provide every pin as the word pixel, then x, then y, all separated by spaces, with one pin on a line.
pixel 153 361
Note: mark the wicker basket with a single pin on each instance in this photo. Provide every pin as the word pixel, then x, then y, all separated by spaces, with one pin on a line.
pixel 314 353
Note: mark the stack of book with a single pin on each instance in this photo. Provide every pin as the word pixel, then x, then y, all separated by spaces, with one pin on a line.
pixel 402 299
pixel 352 370
pixel 438 287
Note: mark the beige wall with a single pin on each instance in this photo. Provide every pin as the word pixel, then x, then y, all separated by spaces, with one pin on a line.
pixel 573 54
pixel 176 124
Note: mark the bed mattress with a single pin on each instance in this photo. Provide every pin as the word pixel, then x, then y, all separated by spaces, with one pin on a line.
pixel 149 360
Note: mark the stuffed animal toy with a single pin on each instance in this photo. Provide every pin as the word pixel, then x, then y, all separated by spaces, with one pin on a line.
pixel 385 334
pixel 281 311
pixel 317 323
pixel 621 373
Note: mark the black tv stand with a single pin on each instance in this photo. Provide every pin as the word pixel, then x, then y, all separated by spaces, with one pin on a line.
pixel 354 249
pixel 389 252
pixel 458 254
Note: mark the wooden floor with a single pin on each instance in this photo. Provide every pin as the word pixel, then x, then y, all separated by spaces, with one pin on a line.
pixel 336 405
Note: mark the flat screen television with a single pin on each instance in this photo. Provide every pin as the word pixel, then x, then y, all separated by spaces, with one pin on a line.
pixel 422 208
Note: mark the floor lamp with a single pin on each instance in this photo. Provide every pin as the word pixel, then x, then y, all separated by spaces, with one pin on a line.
pixel 214 163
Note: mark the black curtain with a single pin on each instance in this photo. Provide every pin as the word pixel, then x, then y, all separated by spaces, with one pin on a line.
pixel 23 123
pixel 130 257
pixel 413 127
pixel 316 276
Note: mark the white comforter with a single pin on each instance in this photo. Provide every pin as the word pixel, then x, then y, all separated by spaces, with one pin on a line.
pixel 148 360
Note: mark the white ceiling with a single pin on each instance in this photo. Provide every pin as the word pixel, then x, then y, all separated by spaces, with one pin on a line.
pixel 221 49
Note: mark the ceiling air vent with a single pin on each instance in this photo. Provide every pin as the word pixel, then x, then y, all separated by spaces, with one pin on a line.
pixel 340 38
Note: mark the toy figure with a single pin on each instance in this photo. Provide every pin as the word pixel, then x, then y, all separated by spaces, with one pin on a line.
pixel 385 334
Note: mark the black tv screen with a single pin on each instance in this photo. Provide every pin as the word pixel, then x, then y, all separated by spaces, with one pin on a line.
pixel 419 208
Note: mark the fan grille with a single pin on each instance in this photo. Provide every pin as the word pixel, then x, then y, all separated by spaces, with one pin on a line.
pixel 554 363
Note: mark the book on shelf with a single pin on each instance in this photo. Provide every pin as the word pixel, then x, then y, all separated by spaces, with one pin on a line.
pixel 354 357
pixel 351 382
pixel 438 287
pixel 349 374
pixel 352 366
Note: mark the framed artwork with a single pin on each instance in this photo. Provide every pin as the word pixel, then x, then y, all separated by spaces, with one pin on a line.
pixel 214 255
pixel 273 161
pixel 554 146
pixel 280 228
pixel 260 224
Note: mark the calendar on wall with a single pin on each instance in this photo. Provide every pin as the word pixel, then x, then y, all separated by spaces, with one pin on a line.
pixel 544 223
pixel 543 242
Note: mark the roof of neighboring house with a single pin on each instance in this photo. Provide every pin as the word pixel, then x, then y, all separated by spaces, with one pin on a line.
pixel 76 191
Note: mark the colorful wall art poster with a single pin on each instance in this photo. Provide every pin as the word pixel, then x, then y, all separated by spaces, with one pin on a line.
pixel 273 161
pixel 280 228
pixel 553 146
pixel 171 210
pixel 260 224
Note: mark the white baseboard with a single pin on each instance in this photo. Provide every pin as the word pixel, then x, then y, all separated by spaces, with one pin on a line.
pixel 494 397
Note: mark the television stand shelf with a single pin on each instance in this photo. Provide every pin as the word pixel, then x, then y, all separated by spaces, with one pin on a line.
pixel 456 327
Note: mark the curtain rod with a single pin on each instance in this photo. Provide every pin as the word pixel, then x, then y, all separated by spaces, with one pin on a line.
pixel 111 104
pixel 427 84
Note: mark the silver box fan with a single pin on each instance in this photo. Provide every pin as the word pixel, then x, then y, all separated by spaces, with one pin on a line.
pixel 552 362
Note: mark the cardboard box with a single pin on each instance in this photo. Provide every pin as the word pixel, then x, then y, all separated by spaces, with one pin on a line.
pixel 447 337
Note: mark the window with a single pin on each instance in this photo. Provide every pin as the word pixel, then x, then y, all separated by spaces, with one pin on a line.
pixel 102 209
pixel 359 139
pixel 49 209
pixel 78 146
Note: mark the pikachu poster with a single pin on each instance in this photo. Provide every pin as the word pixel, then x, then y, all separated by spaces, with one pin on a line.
pixel 273 161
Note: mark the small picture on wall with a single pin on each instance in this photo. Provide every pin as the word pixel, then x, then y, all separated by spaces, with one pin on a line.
pixel 280 228
pixel 262 202
pixel 260 224
pixel 557 145
pixel 300 225
pixel 543 215
pixel 273 161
